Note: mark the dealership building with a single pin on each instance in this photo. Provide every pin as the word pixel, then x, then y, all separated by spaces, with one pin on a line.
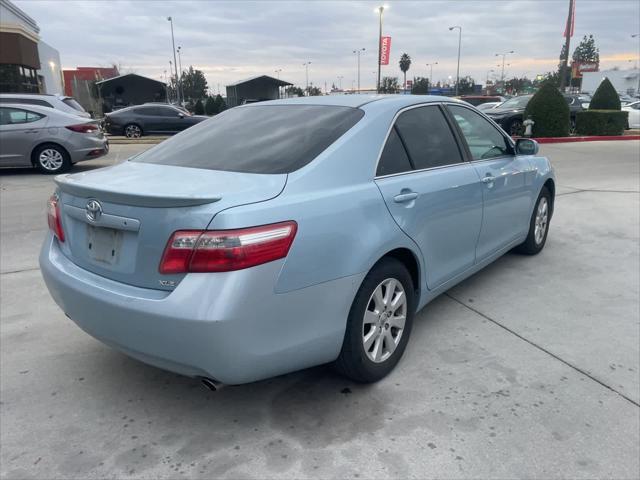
pixel 27 64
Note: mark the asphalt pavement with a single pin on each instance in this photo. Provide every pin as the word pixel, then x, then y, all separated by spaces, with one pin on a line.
pixel 530 368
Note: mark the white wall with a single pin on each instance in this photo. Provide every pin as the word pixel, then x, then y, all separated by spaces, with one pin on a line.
pixel 50 68
pixel 624 81
pixel 12 15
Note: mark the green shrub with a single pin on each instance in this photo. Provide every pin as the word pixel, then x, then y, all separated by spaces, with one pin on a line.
pixel 550 112
pixel 198 108
pixel 601 122
pixel 210 106
pixel 605 97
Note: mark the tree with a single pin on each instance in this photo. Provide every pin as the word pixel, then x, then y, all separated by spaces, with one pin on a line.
pixel 550 112
pixel 405 63
pixel 220 105
pixel 313 91
pixel 389 85
pixel 518 85
pixel 210 106
pixel 586 51
pixel 466 85
pixel 294 92
pixel 194 84
pixel 605 97
pixel 420 86
pixel 198 108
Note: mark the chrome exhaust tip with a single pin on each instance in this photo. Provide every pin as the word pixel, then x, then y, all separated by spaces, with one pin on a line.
pixel 211 384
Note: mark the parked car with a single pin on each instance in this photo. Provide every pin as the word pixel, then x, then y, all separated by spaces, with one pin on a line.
pixel 139 120
pixel 626 99
pixel 35 136
pixel 476 100
pixel 510 114
pixel 633 120
pixel 488 105
pixel 291 233
pixel 58 102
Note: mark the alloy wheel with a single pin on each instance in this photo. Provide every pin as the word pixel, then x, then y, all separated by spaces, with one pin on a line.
pixel 384 320
pixel 132 131
pixel 51 159
pixel 541 221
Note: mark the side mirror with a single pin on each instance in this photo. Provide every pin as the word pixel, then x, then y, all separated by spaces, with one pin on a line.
pixel 526 146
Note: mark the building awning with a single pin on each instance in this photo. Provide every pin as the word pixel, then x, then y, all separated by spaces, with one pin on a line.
pixel 273 80
pixel 18 49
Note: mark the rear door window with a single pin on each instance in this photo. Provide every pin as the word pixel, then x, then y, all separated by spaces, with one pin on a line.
pixel 13 116
pixel 256 138
pixel 484 140
pixel 428 138
pixel 73 104
pixel 394 158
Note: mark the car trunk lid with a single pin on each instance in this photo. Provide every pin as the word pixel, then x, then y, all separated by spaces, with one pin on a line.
pixel 117 220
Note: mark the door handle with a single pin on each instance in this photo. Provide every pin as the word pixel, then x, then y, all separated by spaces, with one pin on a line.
pixel 489 179
pixel 31 131
pixel 405 197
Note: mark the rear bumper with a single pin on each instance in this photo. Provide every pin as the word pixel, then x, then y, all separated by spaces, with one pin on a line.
pixel 88 148
pixel 228 326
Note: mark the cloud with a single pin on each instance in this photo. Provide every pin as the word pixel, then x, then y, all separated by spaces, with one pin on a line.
pixel 237 39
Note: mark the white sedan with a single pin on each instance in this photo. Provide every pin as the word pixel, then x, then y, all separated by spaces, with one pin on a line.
pixel 634 114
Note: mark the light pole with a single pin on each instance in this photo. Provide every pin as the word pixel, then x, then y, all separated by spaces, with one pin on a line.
pixel 359 51
pixel 180 65
pixel 171 75
pixel 175 63
pixel 503 55
pixel 380 11
pixel 340 77
pixel 306 68
pixel 459 44
pixel 430 65
pixel 277 72
pixel 166 86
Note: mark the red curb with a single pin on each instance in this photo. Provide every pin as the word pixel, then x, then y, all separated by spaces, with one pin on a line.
pixel 585 139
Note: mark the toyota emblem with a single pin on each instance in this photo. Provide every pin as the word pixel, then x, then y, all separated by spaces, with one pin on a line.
pixel 93 210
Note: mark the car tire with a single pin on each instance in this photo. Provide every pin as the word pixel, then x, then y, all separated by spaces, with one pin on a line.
pixel 516 128
pixel 375 337
pixel 538 225
pixel 51 159
pixel 132 130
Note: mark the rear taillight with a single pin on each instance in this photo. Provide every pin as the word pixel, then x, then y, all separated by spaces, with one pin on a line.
pixel 226 250
pixel 84 128
pixel 54 218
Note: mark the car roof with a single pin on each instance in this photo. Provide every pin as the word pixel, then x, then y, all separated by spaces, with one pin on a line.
pixel 46 111
pixel 358 100
pixel 18 95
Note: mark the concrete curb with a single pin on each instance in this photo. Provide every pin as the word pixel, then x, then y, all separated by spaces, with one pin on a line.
pixel 586 139
pixel 150 140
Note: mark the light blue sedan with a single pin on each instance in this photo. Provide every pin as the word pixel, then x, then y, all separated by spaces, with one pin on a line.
pixel 282 235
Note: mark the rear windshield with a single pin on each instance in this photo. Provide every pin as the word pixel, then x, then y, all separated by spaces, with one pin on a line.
pixel 256 139
pixel 73 104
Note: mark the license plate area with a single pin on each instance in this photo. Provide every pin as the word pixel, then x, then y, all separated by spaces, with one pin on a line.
pixel 104 244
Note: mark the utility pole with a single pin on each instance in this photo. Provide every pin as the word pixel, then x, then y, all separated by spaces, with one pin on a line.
pixel 340 77
pixel 430 65
pixel 360 50
pixel 180 64
pixel 568 33
pixel 306 67
pixel 175 63
pixel 503 55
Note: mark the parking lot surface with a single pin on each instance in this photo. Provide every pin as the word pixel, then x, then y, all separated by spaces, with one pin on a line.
pixel 530 368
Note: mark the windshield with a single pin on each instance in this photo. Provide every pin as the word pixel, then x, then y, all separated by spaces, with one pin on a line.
pixel 256 139
pixel 516 102
pixel 73 104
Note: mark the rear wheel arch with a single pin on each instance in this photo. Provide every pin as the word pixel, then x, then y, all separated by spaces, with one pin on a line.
pixel 409 260
pixel 551 186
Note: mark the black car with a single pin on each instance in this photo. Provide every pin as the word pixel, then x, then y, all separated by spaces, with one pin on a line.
pixel 133 122
pixel 510 114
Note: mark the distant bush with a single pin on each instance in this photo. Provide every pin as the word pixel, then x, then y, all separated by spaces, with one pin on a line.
pixel 198 108
pixel 605 97
pixel 210 106
pixel 550 112
pixel 601 122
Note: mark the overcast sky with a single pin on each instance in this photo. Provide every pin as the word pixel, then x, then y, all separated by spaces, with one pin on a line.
pixel 233 40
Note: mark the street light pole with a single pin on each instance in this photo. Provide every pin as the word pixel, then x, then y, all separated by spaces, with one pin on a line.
pixel 360 50
pixel 430 65
pixel 175 63
pixel 171 75
pixel 380 11
pixel 306 67
pixel 503 55
pixel 180 65
pixel 459 44
pixel 340 77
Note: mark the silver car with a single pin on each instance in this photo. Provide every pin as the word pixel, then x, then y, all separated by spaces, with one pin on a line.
pixel 58 102
pixel 51 140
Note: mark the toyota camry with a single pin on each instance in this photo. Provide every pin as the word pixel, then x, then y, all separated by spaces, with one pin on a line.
pixel 286 234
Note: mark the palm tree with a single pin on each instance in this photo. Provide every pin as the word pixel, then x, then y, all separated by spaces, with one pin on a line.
pixel 405 63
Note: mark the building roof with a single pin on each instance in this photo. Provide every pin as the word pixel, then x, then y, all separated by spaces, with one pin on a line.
pixel 119 77
pixel 277 81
